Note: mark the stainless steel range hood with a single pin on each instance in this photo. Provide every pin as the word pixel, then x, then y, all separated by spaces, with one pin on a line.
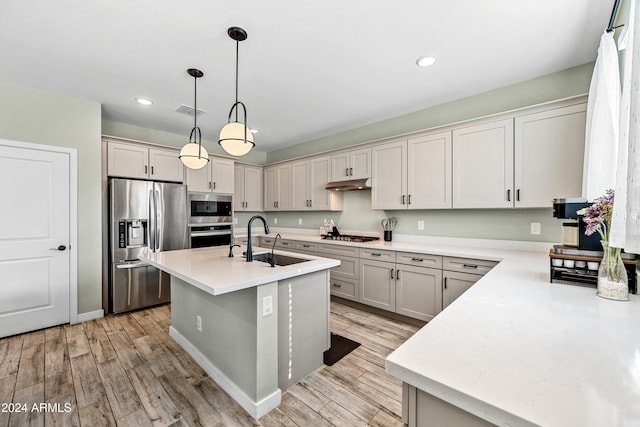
pixel 352 185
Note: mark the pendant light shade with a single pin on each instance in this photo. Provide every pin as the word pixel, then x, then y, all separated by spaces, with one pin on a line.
pixel 193 155
pixel 236 137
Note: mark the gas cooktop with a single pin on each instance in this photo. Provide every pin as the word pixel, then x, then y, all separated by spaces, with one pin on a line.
pixel 351 238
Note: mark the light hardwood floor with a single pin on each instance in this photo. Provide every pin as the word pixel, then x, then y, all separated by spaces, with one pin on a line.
pixel 126 371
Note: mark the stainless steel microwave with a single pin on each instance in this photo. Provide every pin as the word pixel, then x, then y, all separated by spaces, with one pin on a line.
pixel 209 208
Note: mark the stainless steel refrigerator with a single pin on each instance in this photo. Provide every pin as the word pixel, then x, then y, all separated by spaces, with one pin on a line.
pixel 145 217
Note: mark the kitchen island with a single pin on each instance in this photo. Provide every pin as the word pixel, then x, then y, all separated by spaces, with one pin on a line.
pixel 255 329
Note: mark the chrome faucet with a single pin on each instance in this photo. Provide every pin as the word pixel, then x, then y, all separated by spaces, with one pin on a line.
pixel 266 230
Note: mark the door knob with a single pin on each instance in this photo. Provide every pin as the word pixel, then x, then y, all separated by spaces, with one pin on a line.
pixel 59 248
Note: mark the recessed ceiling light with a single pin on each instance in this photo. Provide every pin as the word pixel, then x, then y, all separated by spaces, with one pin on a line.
pixel 425 61
pixel 254 131
pixel 143 101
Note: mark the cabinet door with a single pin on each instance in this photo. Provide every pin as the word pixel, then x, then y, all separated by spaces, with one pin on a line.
pixel 199 179
pixel 418 292
pixel 549 148
pixel 284 187
pixel 252 189
pixel 270 188
pixel 378 284
pixel 340 166
pixel 300 185
pixel 360 163
pixel 429 171
pixel 389 176
pixel 238 188
pixel 319 171
pixel 165 165
pixel 222 175
pixel 126 160
pixel 483 165
pixel 455 284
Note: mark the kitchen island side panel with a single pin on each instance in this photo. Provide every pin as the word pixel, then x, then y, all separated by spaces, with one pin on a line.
pixel 235 338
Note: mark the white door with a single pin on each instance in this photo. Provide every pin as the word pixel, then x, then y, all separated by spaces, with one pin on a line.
pixel 34 239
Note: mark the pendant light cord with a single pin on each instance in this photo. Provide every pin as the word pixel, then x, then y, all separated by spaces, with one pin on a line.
pixel 237 54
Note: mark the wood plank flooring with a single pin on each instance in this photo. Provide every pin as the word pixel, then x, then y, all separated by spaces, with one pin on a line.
pixel 126 371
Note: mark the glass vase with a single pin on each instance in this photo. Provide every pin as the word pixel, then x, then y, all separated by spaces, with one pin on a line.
pixel 612 275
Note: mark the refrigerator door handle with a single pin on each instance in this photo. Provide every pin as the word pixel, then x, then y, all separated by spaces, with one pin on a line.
pixel 159 220
pixel 151 234
pixel 130 265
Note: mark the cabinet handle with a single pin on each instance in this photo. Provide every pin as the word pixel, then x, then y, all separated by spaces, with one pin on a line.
pixel 214 184
pixel 277 204
pixel 209 181
pixel 351 171
pixel 518 195
pixel 306 246
pixel 398 274
pixel 310 203
pixel 151 170
pixel 469 266
pixel 336 285
pixel 145 169
pixel 375 254
pixel 417 259
pixel 392 273
pixel 409 199
pixel 403 196
pixel 508 195
pixel 346 171
pixel 445 283
pixel 284 243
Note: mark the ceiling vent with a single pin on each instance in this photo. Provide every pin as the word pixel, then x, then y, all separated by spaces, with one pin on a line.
pixel 185 109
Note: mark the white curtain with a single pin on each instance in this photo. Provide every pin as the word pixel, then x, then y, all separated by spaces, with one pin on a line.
pixel 625 228
pixel 601 138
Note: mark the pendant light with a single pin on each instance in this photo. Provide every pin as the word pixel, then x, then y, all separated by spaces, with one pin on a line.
pixel 235 137
pixel 193 154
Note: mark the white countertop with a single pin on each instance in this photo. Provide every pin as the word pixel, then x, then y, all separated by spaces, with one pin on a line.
pixel 211 269
pixel 520 351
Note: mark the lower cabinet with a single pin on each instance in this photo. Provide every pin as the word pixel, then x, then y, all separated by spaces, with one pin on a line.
pixel 418 292
pixel 343 279
pixel 378 284
pixel 455 284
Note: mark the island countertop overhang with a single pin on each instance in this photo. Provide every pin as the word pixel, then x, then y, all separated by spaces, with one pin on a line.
pixel 213 271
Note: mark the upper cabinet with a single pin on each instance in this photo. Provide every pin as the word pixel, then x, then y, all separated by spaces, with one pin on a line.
pixel 413 174
pixel 144 162
pixel 308 185
pixel 352 164
pixel 483 165
pixel 549 148
pixel 247 188
pixel 217 176
pixel 277 187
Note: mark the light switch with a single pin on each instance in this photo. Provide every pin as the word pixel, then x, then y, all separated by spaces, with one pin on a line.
pixel 299 221
pixel 420 224
pixel 535 228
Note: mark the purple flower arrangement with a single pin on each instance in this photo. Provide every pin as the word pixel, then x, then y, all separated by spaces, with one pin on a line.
pixel 597 217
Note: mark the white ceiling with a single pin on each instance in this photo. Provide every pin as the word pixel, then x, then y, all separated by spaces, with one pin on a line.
pixel 307 69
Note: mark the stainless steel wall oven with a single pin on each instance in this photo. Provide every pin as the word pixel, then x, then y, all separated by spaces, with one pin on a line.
pixel 210 219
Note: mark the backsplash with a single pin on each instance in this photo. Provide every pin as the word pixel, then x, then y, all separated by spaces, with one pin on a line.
pixel 502 224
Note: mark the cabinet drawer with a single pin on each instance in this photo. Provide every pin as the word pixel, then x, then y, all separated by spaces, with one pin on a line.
pixel 244 240
pixel 286 244
pixel 378 255
pixel 349 268
pixel 347 289
pixel 419 260
pixel 337 249
pixel 306 246
pixel 467 265
pixel 267 242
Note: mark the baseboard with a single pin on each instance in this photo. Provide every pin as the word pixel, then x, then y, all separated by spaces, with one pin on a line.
pixel 90 315
pixel 255 409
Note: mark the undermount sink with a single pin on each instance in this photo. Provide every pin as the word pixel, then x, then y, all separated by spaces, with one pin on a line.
pixel 279 260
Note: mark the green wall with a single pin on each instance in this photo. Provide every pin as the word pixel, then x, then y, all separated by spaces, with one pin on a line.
pixel 35 116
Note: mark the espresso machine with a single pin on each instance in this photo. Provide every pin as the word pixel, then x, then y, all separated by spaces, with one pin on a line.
pixel 577 259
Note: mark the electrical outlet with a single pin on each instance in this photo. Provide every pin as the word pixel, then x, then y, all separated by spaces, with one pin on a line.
pixel 199 323
pixel 299 221
pixel 235 221
pixel 535 228
pixel 267 306
pixel 275 220
pixel 420 224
